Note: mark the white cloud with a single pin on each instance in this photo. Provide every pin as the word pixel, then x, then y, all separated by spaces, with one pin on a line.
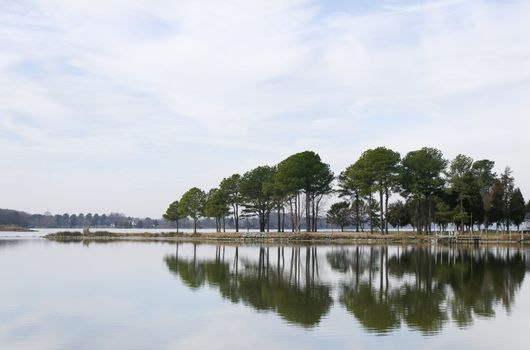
pixel 130 85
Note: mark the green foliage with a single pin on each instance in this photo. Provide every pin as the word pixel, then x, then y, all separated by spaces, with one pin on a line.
pixel 377 170
pixel 501 197
pixel 216 204
pixel 421 172
pixel 231 186
pixel 517 207
pixel 255 187
pixel 306 172
pixel 398 215
pixel 460 176
pixel 483 174
pixel 467 192
pixel 256 194
pixel 339 214
pixel 444 214
pixel 350 187
pixel 421 180
pixel 496 211
pixel 192 204
pixel 382 165
pixel 463 183
pixel 172 213
pixel 361 176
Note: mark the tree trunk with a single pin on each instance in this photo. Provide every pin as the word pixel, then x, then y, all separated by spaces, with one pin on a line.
pixel 261 219
pixel 317 211
pixel 236 216
pixel 279 217
pixel 418 228
pixel 283 218
pixel 292 214
pixel 462 216
pixel 386 211
pixel 299 213
pixel 370 214
pixel 308 212
pixel 295 216
pixel 381 212
pixel 357 213
pixel 429 203
pixel 313 221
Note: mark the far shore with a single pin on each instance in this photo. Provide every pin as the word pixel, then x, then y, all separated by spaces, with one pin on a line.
pixel 335 237
pixel 13 228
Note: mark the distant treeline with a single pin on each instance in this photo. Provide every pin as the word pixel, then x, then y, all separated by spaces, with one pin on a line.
pixel 23 219
pixel 433 192
pixel 112 220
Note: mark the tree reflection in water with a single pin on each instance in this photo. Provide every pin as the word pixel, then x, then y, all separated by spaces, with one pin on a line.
pixel 292 291
pixel 424 287
pixel 383 287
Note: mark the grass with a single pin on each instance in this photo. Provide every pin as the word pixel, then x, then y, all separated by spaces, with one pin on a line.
pixel 285 237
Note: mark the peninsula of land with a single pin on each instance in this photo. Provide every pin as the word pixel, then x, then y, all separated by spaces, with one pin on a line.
pixel 327 237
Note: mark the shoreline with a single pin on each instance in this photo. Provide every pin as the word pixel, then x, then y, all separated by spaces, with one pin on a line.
pixel 12 228
pixel 325 237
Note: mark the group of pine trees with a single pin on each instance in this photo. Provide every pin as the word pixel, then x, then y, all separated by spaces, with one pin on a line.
pixel 292 190
pixel 433 192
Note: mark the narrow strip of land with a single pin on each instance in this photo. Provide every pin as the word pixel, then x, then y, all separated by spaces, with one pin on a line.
pixel 285 237
pixel 14 228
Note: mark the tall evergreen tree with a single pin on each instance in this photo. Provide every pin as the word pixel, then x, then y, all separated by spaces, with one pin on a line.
pixel 349 187
pixel 192 204
pixel 517 208
pixel 339 214
pixel 173 214
pixel 485 178
pixel 231 186
pixel 256 194
pixel 216 207
pixel 460 181
pixel 304 174
pixel 421 180
pixel 381 167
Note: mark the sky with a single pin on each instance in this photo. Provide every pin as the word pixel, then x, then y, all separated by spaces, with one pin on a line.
pixel 123 105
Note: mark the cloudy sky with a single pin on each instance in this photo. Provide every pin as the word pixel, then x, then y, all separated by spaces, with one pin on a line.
pixel 122 105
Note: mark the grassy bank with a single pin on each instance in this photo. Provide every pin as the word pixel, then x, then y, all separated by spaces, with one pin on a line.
pixel 286 237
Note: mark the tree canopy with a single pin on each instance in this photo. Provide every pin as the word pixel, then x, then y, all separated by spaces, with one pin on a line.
pixel 463 193
pixel 173 213
pixel 192 204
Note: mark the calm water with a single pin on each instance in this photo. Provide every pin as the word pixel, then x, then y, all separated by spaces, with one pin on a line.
pixel 136 295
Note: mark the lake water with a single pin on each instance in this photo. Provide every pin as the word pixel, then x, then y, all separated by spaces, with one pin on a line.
pixel 134 295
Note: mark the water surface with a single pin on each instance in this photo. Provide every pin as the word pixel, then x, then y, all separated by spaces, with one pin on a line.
pixel 134 295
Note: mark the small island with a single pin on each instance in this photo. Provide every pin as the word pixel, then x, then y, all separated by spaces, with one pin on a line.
pixel 14 228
